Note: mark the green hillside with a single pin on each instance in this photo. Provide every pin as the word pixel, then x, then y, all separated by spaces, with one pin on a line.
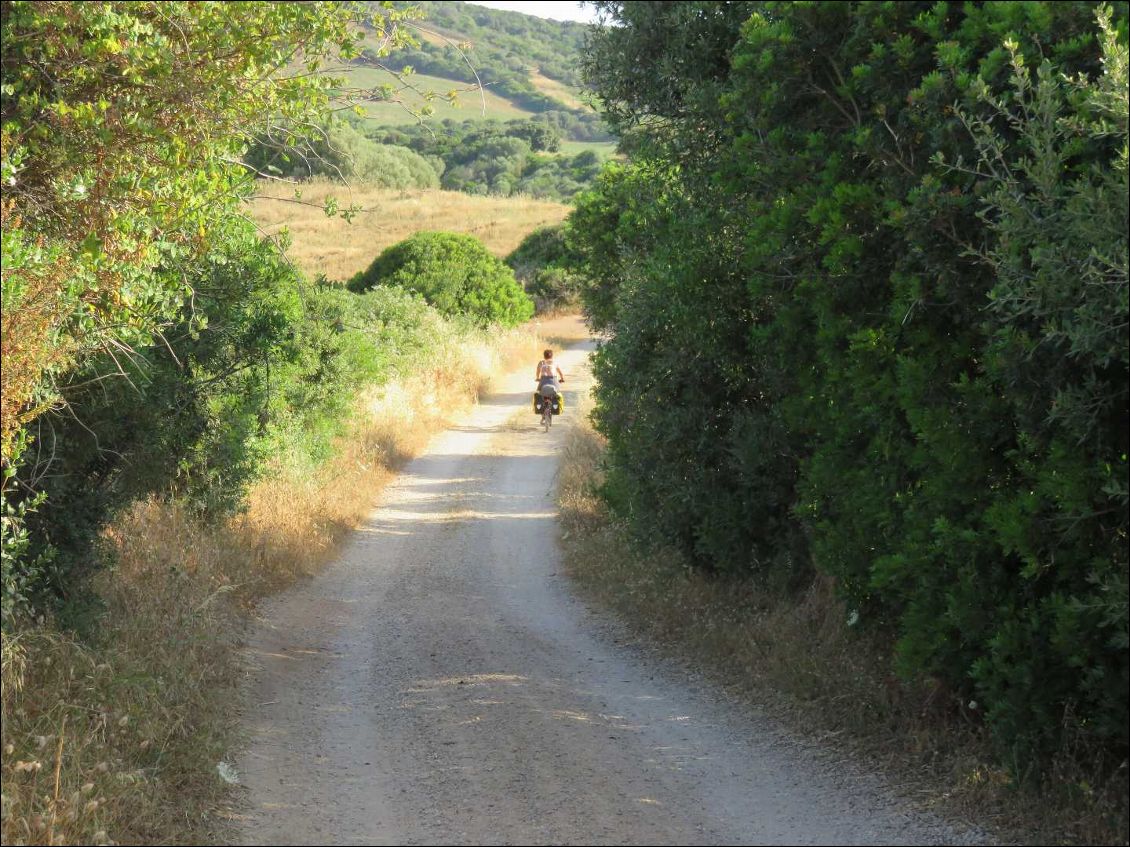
pixel 502 45
pixel 492 99
pixel 485 102
pixel 528 64
pixel 414 97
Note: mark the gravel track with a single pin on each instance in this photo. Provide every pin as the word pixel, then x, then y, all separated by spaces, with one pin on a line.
pixel 441 684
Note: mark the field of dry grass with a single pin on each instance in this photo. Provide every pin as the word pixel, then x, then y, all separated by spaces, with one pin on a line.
pixel 794 657
pixel 559 91
pixel 123 737
pixel 331 246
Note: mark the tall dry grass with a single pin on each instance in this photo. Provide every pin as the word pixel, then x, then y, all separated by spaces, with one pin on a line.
pixel 337 249
pixel 120 737
pixel 795 657
pixel 115 738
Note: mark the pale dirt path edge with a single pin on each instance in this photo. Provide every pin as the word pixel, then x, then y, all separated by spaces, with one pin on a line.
pixel 441 683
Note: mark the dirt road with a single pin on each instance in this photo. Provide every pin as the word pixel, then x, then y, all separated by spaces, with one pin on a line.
pixel 442 684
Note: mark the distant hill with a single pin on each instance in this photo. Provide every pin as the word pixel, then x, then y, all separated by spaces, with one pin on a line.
pixel 520 125
pixel 526 65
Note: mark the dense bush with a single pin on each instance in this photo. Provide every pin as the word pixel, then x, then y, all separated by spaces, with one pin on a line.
pixel 544 131
pixel 179 416
pixel 266 365
pixel 122 180
pixel 120 161
pixel 612 228
pixel 546 267
pixel 342 153
pixel 867 287
pixel 454 273
pixel 491 157
pixel 196 415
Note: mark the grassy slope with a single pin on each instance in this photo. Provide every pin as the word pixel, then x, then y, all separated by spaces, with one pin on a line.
pixel 557 90
pixel 431 32
pixel 338 249
pixel 604 148
pixel 470 102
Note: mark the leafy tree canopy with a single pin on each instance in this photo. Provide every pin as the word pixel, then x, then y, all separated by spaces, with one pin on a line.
pixel 123 124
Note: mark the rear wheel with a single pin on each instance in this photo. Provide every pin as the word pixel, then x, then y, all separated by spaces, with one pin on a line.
pixel 547 416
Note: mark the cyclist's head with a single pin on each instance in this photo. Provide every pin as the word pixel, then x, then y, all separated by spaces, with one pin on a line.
pixel 547 354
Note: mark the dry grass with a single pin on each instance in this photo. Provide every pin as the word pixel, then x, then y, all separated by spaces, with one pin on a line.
pixel 434 37
pixel 794 656
pixel 295 519
pixel 330 246
pixel 559 91
pixel 118 738
pixel 605 149
pixel 561 329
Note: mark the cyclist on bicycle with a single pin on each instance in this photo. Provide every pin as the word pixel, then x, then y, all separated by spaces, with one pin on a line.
pixel 545 372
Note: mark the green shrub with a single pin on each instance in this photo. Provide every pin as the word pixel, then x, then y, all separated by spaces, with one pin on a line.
pixel 344 154
pixel 547 268
pixel 554 288
pixel 492 157
pixel 1059 348
pixel 831 349
pixel 265 366
pixel 454 273
pixel 186 416
pixel 616 224
pixel 544 247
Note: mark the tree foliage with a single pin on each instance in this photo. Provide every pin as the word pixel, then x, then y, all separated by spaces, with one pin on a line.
pixel 140 313
pixel 342 153
pixel 122 128
pixel 545 266
pixel 866 283
pixel 491 157
pixel 454 273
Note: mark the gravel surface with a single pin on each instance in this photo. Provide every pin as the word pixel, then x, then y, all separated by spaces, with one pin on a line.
pixel 441 684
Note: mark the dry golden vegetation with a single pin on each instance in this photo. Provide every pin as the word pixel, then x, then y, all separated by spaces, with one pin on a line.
pixel 557 90
pixel 116 739
pixel 561 329
pixel 794 656
pixel 297 517
pixel 337 249
pixel 121 738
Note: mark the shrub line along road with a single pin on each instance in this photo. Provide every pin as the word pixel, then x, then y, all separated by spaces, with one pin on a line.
pixel 442 684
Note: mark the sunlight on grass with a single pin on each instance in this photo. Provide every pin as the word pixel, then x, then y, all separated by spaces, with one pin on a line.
pixel 337 249
pixel 559 91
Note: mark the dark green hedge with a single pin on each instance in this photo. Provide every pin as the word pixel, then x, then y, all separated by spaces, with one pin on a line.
pixel 866 283
pixel 542 263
